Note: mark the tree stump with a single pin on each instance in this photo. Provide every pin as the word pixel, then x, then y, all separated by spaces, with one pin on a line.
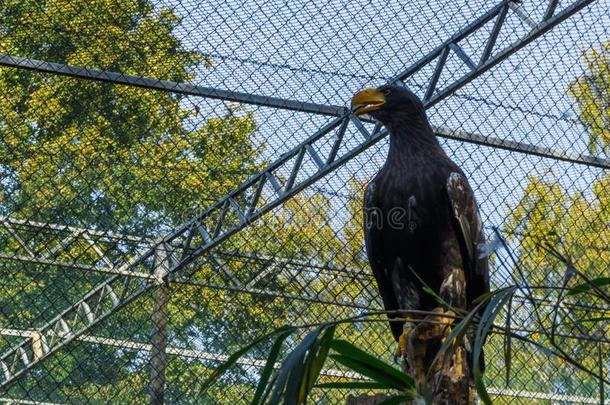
pixel 365 399
pixel 448 381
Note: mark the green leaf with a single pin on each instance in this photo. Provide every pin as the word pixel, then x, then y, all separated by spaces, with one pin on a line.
pixel 348 350
pixel 457 330
pixel 600 362
pixel 480 385
pixel 461 326
pixel 426 288
pixel 508 347
pixel 357 385
pixel 581 288
pixel 495 305
pixel 294 361
pixel 430 291
pixel 318 358
pixel 371 372
pixel 268 369
pixel 483 297
pixel 427 395
pixel 295 381
pixel 235 356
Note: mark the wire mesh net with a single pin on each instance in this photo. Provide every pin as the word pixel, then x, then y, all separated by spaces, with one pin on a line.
pixel 208 144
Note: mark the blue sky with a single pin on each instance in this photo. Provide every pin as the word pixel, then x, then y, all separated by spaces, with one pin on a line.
pixel 324 51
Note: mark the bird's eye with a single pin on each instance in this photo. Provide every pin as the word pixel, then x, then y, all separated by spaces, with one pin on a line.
pixel 387 92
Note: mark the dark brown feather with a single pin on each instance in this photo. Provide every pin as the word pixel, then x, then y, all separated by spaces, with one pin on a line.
pixel 438 235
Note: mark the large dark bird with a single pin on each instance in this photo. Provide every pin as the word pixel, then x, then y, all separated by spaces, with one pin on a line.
pixel 422 223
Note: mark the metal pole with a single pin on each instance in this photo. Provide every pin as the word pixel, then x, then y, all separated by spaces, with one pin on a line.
pixel 167 85
pixel 158 354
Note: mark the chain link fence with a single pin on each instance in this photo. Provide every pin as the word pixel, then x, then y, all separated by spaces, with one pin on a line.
pixel 179 177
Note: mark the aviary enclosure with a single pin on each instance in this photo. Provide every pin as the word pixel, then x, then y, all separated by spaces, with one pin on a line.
pixel 178 177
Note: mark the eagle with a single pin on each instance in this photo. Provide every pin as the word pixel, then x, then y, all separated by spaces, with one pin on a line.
pixel 422 225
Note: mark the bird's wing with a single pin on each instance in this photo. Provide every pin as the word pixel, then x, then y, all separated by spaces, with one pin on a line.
pixel 374 250
pixel 469 228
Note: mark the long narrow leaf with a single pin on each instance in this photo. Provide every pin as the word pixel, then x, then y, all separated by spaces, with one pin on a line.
pixel 508 342
pixel 483 297
pixel 268 369
pixel 318 358
pixel 295 381
pixel 458 330
pixel 581 288
pixel 348 350
pixel 492 310
pixel 235 356
pixel 371 372
pixel 426 288
pixel 480 386
pixel 294 359
pixel 600 362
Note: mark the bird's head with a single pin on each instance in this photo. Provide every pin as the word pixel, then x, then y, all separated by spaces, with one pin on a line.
pixel 388 103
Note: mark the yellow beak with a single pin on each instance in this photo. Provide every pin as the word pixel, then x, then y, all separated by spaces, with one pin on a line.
pixel 367 100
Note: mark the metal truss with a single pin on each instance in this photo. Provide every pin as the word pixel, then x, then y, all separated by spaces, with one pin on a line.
pixel 43 243
pixel 70 247
pixel 251 273
pixel 166 85
pixel 239 208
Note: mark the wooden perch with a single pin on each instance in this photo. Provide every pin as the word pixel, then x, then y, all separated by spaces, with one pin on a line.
pixel 366 399
pixel 448 381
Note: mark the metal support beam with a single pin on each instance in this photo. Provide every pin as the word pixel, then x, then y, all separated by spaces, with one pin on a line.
pixel 255 267
pixel 276 293
pixel 195 236
pixel 522 147
pixel 70 247
pixel 166 85
pixel 523 15
pixel 249 276
pixel 158 354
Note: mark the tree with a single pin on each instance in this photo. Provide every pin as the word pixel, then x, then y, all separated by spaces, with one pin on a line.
pixel 136 161
pixel 103 156
pixel 591 93
pixel 574 223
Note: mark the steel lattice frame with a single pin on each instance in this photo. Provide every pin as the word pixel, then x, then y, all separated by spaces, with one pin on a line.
pixel 232 213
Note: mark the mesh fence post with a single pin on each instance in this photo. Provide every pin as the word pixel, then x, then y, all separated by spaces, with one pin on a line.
pixel 158 354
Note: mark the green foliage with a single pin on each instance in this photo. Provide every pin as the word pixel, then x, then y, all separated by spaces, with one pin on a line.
pixel 110 157
pixel 97 154
pixel 549 219
pixel 295 378
pixel 590 92
pixel 371 367
pixel 585 287
pixel 137 161
pixel 297 374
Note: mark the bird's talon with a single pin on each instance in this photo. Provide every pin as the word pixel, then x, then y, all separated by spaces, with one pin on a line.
pixel 401 349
